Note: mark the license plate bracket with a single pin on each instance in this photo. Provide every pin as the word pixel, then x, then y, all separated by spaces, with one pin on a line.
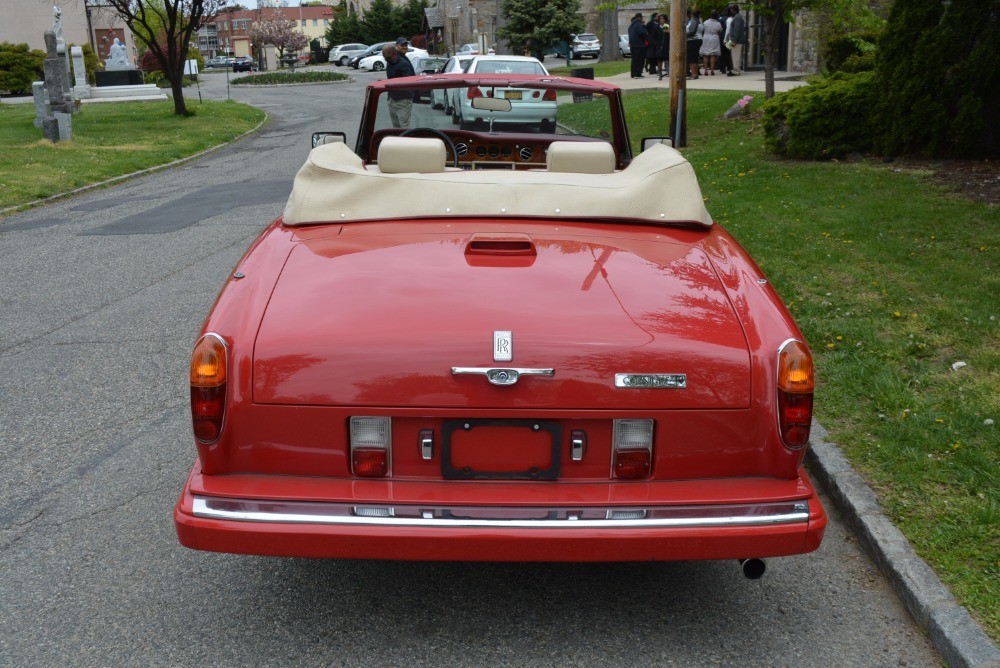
pixel 517 427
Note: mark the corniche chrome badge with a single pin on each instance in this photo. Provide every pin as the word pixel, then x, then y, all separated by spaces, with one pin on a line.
pixel 651 381
pixel 503 346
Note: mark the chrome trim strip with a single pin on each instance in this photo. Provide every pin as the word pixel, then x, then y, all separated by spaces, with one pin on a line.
pixel 329 513
pixel 501 375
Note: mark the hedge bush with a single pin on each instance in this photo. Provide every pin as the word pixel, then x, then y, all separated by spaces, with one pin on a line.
pixel 838 51
pixel 827 119
pixel 274 78
pixel 19 66
pixel 940 79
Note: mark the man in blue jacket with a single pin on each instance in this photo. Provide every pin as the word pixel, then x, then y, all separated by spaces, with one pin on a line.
pixel 637 42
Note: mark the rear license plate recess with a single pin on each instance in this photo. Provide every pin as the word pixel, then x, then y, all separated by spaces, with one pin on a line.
pixel 484 449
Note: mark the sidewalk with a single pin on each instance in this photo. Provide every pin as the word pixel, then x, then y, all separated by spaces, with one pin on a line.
pixel 751 81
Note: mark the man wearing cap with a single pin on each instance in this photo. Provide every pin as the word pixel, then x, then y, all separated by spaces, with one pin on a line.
pixel 637 43
pixel 398 65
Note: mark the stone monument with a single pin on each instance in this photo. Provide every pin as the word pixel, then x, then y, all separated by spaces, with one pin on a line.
pixel 81 90
pixel 61 50
pixel 118 71
pixel 58 126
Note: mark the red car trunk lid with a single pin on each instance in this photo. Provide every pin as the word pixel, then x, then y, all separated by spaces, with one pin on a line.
pixel 382 320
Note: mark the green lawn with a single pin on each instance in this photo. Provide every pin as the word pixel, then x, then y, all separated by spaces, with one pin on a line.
pixel 557 66
pixel 893 281
pixel 108 140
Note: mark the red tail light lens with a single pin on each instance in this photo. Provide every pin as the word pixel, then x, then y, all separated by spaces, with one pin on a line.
pixel 370 446
pixel 796 382
pixel 370 463
pixel 632 445
pixel 473 93
pixel 209 377
pixel 550 96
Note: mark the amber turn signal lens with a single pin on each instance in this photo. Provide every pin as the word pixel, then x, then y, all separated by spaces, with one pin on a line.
pixel 795 368
pixel 208 362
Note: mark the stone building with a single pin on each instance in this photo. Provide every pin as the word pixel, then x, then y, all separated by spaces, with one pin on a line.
pixel 84 22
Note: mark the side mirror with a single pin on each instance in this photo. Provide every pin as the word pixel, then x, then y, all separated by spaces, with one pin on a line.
pixel 321 138
pixel 652 141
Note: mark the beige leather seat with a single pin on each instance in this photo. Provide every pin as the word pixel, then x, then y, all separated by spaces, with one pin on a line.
pixel 409 155
pixel 580 157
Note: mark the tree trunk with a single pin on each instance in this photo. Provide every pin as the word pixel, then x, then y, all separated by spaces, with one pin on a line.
pixel 176 80
pixel 678 73
pixel 609 37
pixel 772 33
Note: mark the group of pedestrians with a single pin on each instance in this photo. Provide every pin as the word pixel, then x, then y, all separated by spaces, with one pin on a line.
pixel 716 43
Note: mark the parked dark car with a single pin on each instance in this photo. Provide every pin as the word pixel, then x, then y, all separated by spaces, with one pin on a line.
pixel 244 64
pixel 370 51
pixel 218 62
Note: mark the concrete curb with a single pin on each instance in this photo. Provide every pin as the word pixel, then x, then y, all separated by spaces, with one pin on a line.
pixel 955 634
pixel 125 177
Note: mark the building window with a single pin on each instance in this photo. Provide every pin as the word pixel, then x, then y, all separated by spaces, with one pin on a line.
pixel 315 22
pixel 326 22
pixel 303 23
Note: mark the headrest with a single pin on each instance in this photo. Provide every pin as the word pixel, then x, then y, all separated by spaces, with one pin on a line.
pixel 581 157
pixel 406 155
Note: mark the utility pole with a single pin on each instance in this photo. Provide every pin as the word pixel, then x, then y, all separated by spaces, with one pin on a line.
pixel 678 73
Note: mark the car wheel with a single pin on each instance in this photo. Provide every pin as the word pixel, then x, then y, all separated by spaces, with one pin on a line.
pixel 456 117
pixel 377 66
pixel 342 61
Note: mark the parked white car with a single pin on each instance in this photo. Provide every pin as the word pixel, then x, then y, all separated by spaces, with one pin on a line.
pixel 472 49
pixel 586 44
pixel 376 63
pixel 623 46
pixel 341 53
pixel 529 107
pixel 443 98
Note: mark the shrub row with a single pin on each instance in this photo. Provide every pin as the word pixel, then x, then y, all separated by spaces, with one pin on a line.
pixel 272 78
pixel 933 89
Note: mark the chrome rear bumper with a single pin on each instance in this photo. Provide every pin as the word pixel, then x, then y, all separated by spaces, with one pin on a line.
pixel 299 512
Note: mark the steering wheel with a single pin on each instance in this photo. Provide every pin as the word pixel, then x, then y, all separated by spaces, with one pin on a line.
pixel 434 131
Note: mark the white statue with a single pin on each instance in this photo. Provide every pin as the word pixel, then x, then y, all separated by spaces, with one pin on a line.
pixel 57 28
pixel 117 57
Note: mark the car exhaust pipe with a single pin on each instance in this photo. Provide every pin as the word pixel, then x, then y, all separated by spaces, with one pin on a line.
pixel 752 569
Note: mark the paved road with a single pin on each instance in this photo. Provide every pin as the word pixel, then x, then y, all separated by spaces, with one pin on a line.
pixel 101 297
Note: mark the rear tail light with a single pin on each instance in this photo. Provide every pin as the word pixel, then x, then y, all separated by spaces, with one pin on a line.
pixel 474 93
pixel 209 377
pixel 550 96
pixel 370 446
pixel 632 449
pixel 795 393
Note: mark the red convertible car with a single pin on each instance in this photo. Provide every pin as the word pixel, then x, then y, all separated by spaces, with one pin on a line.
pixel 517 342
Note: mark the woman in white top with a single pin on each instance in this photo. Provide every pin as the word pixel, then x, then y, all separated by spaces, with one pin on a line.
pixel 711 45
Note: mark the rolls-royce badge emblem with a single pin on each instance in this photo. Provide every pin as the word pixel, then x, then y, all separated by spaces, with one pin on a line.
pixel 651 381
pixel 503 347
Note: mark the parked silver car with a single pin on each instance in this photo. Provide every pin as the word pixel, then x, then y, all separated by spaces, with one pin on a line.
pixel 341 53
pixel 586 44
pixel 623 47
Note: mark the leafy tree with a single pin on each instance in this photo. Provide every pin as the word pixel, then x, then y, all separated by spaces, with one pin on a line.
pixel 379 23
pixel 410 18
pixel 166 28
pixel 283 35
pixel 937 70
pixel 344 26
pixel 19 66
pixel 532 25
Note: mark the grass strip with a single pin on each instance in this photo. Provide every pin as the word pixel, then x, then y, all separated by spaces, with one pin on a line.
pixel 607 69
pixel 109 140
pixel 896 284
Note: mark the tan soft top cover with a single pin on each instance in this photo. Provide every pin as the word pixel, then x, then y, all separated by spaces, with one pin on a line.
pixel 658 186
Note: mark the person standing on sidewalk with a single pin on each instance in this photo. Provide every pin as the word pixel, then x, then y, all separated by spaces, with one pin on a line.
pixel 726 59
pixel 637 43
pixel 654 41
pixel 736 36
pixel 711 42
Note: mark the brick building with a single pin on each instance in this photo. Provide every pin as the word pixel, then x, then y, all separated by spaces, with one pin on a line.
pixel 230 28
